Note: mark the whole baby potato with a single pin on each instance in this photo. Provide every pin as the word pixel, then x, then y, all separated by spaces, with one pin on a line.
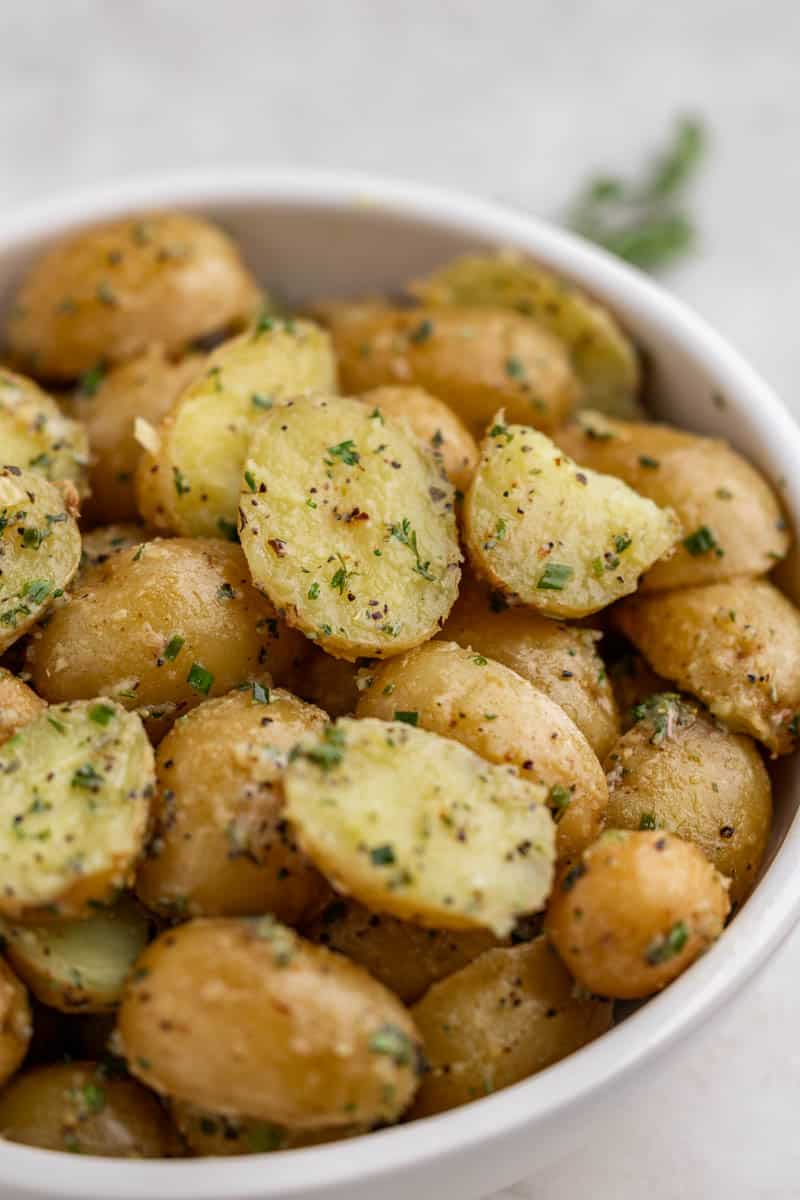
pixel 16 1022
pixel 18 704
pixel 434 423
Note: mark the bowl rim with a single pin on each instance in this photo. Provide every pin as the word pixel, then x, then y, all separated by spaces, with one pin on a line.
pixel 759 928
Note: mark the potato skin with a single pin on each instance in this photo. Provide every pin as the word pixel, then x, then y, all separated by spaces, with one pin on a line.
pixel 18 704
pixel 330 683
pixel 220 845
pixel 735 645
pixel 107 292
pixel 678 769
pixel 436 426
pixel 633 681
pixel 98 544
pixel 508 1014
pixel 16 1022
pixel 635 912
pixel 336 1048
pixel 37 436
pixel 212 1134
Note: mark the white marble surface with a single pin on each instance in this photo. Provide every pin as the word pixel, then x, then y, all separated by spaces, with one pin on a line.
pixel 514 99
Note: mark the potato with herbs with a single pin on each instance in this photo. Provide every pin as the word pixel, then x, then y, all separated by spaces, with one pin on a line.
pixel 331 683
pixel 475 360
pixel 434 424
pixel 418 826
pixel 18 704
pixel 16 1022
pixel 280 1030
pixel 107 292
pixel 558 537
pixel 35 434
pixel 495 712
pixel 735 645
pixel 634 681
pixel 635 912
pixel 505 1016
pixel 190 479
pixel 731 519
pixel 98 544
pixel 354 538
pixel 209 1134
pixel 221 846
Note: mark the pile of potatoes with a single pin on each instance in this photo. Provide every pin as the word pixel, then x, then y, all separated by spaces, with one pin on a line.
pixel 381 697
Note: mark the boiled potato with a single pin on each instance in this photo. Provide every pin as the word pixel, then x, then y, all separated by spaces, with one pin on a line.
pixel 18 704
pixel 680 770
pixel 107 292
pixel 35 434
pixel 434 424
pixel 475 361
pixel 211 1134
pixel 560 660
pixel 495 712
pixel 636 911
pixel 74 809
pixel 734 645
pixel 221 846
pixel 98 544
pixel 602 355
pixel 354 539
pixel 16 1022
pixel 241 1016
pixel 633 681
pixel 80 1108
pixel 40 548
pixel 730 516
pixel 190 479
pixel 418 826
pixel 331 683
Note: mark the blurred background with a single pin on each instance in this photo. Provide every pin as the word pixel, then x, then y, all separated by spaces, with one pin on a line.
pixel 518 100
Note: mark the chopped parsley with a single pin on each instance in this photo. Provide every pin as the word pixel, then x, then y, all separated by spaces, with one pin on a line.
pixel 554 577
pixel 329 752
pixel 313 591
pixel 260 693
pixel 88 778
pixel 421 333
pixel 651 464
pixel 262 402
pixel 90 381
pixel 701 541
pixel 407 536
pixel 101 714
pixel 346 452
pixel 200 679
pixel 665 947
pixel 181 486
pixel 249 479
pixel 407 717
pixel 382 856
pixel 515 368
pixel 395 1043
pixel 173 647
pixel 647 821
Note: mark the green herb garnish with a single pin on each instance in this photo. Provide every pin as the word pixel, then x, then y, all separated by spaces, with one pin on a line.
pixel 554 577
pixel 200 679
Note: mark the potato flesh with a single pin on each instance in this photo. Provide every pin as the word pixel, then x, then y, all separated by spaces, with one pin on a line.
pixel 35 434
pixel 434 424
pixel 418 826
pixel 354 538
pixel 562 539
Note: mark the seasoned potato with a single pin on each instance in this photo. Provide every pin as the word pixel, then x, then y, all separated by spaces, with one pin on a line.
pixel 434 424
pixel 503 1017
pixel 633 681
pixel 241 1016
pixel 221 846
pixel 107 292
pixel 40 548
pixel 18 704
pixel 16 1022
pixel 636 911
pixel 560 660
pixel 209 1135
pixel 678 769
pixel 418 826
pixel 74 808
pixel 35 434
pixel 189 481
pixel 735 645
pixel 476 361
pixel 79 966
pixel 562 539
pixel 730 516
pixel 503 718
pixel 160 628
pixel 331 683
pixel 603 357
pixel 354 539
pixel 80 1108
pixel 98 544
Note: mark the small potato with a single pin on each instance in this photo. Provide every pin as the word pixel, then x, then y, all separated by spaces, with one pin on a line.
pixel 79 1108
pixel 603 357
pixel 221 846
pixel 190 479
pixel 40 548
pixel 636 911
pixel 243 1017
pixel 562 539
pixel 160 628
pixel 354 539
pixel 678 769
pixel 730 516
pixel 16 1022
pixel 35 434
pixel 18 704
pixel 107 292
pixel 503 718
pixel 74 809
pixel 475 360
pixel 505 1016
pixel 434 424
pixel 633 681
pixel 209 1135
pixel 331 683
pixel 560 660
pixel 418 826
pixel 98 544
pixel 734 645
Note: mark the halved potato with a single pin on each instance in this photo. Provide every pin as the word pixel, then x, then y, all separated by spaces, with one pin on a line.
pixel 35 434
pixel 562 538
pixel 18 704
pixel 212 1135
pixel 354 537
pixel 435 425
pixel 16 1022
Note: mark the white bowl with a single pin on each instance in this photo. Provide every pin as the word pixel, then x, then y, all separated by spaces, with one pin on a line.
pixel 306 234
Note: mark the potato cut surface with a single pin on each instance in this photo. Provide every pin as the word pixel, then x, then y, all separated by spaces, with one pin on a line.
pixel 35 434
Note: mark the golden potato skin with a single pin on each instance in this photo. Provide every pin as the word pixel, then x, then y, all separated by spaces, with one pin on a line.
pixel 220 845
pixel 709 486
pixel 635 912
pixel 77 1107
pixel 244 1017
pixel 209 1135
pixel 633 681
pixel 16 1022
pixel 476 360
pixel 505 1016
pixel 330 683
pixel 735 645
pixel 436 426
pixel 37 436
pixel 18 704
pixel 107 292
pixel 98 544
pixel 560 660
